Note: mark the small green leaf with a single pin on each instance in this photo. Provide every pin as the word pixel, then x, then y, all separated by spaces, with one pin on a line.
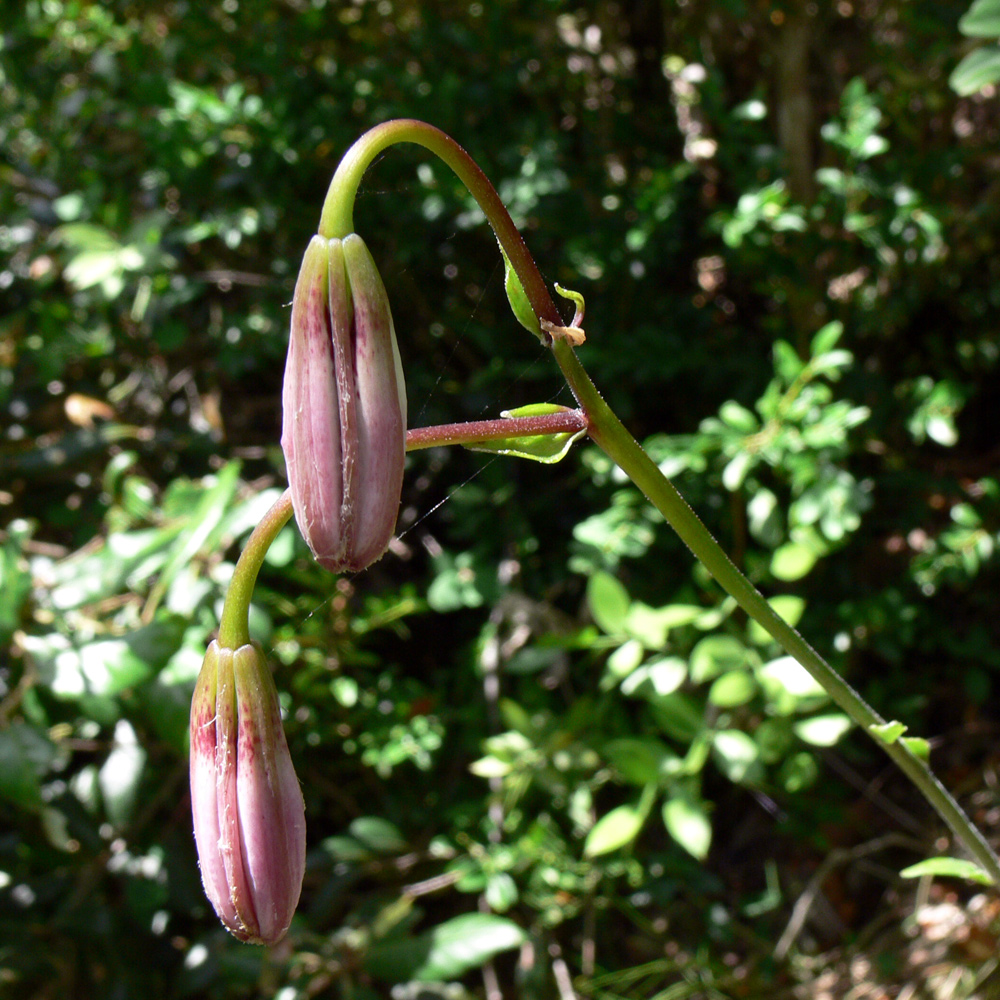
pixel 345 848
pixel 200 530
pixel 448 951
pixel 792 561
pixel 518 300
pixel 677 715
pixel 639 760
pixel 378 835
pixel 733 688
pixel 823 730
pixel 501 892
pixel 716 654
pixel 918 746
pixel 467 942
pixel 651 625
pixel 737 756
pixel 687 822
pixel 108 666
pixel 609 602
pixel 457 583
pixel 738 417
pixel 949 868
pixel 774 738
pixel 798 772
pixel 790 687
pixel 888 732
pixel 491 767
pixel 121 773
pixel 736 470
pixel 25 757
pixel 976 70
pixel 826 338
pixel 981 20
pixel 615 829
pixel 535 410
pixel 621 663
pixel 545 448
pixel 787 362
pixel 656 678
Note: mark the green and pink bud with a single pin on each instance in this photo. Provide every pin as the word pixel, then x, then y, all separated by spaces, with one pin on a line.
pixel 344 406
pixel 249 815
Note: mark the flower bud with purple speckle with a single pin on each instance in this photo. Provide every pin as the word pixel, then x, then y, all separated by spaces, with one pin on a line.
pixel 249 815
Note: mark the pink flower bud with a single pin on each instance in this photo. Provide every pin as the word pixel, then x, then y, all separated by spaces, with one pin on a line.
pixel 249 816
pixel 344 406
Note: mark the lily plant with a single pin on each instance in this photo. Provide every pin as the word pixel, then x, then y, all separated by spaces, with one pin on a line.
pixel 344 437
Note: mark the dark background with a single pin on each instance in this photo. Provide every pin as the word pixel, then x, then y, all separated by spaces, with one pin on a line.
pixel 723 181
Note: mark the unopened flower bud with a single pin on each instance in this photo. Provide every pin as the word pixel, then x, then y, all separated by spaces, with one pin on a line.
pixel 249 816
pixel 344 406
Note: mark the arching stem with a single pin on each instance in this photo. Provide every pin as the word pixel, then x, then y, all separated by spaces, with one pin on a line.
pixel 337 218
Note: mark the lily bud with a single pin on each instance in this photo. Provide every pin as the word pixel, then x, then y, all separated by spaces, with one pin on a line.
pixel 249 815
pixel 344 406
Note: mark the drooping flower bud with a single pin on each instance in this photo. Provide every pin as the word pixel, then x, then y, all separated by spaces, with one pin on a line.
pixel 344 406
pixel 249 816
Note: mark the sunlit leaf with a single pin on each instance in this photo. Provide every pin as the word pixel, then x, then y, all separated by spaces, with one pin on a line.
pixel 121 773
pixel 545 448
pixel 792 561
pixel 737 756
pixel 501 892
pixel 614 830
pixel 918 746
pixel 948 868
pixel 977 70
pixel 687 822
pixel 622 662
pixel 731 689
pixel 887 732
pixel 981 20
pixel 716 654
pixel 608 601
pixel 448 951
pixel 823 730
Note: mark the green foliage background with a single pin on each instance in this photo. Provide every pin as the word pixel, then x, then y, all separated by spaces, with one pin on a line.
pixel 537 745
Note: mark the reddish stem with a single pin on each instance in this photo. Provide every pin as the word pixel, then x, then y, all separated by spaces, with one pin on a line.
pixel 566 422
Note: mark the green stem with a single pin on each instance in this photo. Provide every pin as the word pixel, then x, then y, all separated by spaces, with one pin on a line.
pixel 610 435
pixel 234 628
pixel 337 218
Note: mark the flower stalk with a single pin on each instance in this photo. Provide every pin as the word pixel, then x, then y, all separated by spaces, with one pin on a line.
pixel 607 431
pixel 247 805
pixel 337 219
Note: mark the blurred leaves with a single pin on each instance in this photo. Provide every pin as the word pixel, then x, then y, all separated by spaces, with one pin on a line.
pixel 981 67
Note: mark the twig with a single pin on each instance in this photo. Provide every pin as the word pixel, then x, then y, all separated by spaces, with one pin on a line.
pixel 560 972
pixel 833 860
